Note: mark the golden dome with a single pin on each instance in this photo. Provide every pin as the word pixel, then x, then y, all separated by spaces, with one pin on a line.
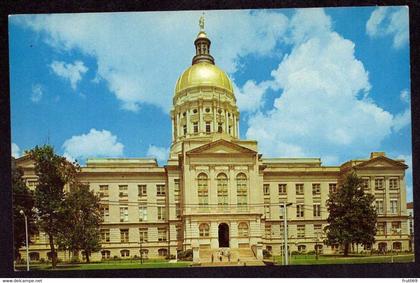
pixel 203 74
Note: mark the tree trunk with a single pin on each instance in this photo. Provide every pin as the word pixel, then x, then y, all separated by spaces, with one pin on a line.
pixel 53 253
pixel 346 248
pixel 87 256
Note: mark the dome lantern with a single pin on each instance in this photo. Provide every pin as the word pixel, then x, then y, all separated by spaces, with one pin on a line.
pixel 202 46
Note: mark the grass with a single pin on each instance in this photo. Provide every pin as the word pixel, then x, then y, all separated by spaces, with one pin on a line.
pixel 337 259
pixel 129 264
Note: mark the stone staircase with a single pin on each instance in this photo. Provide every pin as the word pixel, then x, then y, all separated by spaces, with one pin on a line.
pixel 221 257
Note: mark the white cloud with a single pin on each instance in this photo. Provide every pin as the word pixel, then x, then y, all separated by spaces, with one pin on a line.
pixel 72 72
pixel 250 96
pixel 402 120
pixel 405 96
pixel 323 107
pixel 37 92
pixel 15 150
pixel 391 21
pixel 160 153
pixel 140 55
pixel 93 144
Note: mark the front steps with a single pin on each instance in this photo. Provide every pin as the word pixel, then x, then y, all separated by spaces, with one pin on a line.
pixel 238 257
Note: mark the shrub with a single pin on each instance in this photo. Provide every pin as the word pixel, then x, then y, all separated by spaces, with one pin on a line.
pixel 42 260
pixel 186 255
pixel 312 252
pixel 170 257
pixel 136 257
pixel 295 253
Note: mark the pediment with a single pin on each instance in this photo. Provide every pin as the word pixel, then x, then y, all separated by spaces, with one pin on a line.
pixel 25 161
pixel 382 162
pixel 221 147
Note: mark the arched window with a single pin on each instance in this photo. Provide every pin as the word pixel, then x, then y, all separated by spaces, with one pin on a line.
pixel 203 190
pixel 396 246
pixel 204 230
pixel 144 253
pixel 243 229
pixel 34 256
pixel 222 193
pixel 242 189
pixel 302 248
pixel 163 252
pixel 125 253
pixel 106 254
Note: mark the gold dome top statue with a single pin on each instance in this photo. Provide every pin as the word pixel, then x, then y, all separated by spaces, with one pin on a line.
pixel 204 105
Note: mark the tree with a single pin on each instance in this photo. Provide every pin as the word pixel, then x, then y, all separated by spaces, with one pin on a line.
pixel 352 215
pixel 23 199
pixel 53 172
pixel 80 229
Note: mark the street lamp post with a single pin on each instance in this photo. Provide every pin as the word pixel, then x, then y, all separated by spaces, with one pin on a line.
pixel 27 240
pixel 285 205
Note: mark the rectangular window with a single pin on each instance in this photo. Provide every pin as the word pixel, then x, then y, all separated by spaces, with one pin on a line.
pixel 178 210
pixel 394 184
pixel 123 189
pixel 380 228
pixel 142 190
pixel 178 232
pixel 123 214
pixel 103 191
pixel 230 130
pixel 176 189
pixel 366 184
pixel 266 189
pixel 105 235
pixel 142 213
pixel 268 231
pixel 396 227
pixel 184 128
pixel 299 189
pixel 161 213
pixel 316 189
pixel 105 212
pixel 161 234
pixel 124 235
pixel 220 127
pixel 267 210
pixel 282 189
pixel 301 231
pixel 379 183
pixel 143 235
pixel 379 206
pixel 208 127
pixel 394 206
pixel 332 188
pixel 195 127
pixel 317 210
pixel 160 190
pixel 317 230
pixel 300 212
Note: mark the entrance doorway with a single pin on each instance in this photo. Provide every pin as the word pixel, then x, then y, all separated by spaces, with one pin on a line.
pixel 223 235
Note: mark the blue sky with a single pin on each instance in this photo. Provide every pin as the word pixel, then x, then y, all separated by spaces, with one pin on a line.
pixel 331 83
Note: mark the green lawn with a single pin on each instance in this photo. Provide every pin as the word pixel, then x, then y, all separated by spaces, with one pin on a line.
pixel 332 259
pixel 107 265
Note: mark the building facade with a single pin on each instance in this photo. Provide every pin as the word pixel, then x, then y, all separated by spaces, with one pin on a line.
pixel 218 193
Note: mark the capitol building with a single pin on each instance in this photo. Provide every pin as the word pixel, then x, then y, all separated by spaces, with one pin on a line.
pixel 217 192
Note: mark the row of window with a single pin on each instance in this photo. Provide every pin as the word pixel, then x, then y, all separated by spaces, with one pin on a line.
pixel 382 230
pixel 222 189
pixel 394 183
pixel 106 254
pixel 300 210
pixel 143 214
pixel 204 229
pixel 142 190
pixel 195 128
pixel 143 235
pixel 393 206
pixel 282 189
pixel 300 230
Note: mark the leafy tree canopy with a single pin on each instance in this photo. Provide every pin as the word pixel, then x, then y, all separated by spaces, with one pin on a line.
pixel 352 215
